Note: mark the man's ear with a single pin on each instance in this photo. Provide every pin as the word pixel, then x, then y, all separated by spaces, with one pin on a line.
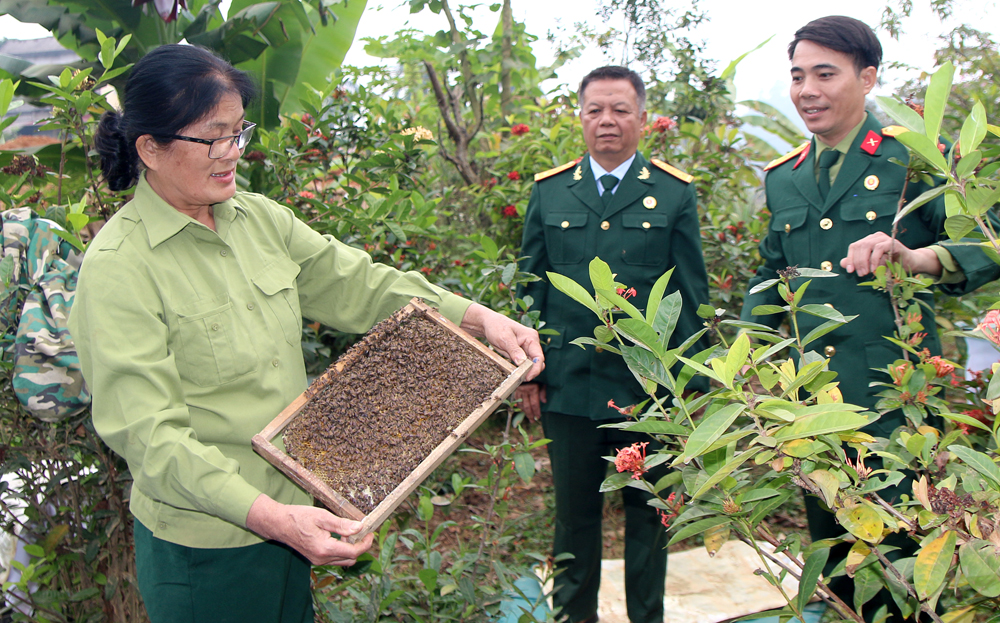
pixel 869 76
pixel 149 151
pixel 642 118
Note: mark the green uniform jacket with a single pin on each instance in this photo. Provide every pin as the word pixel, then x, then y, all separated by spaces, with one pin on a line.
pixel 565 227
pixel 808 233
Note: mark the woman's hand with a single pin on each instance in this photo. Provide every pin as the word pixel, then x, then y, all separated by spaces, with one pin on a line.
pixel 306 529
pixel 514 339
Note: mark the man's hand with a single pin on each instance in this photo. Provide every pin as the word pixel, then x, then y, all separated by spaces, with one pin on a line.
pixel 514 339
pixel 530 397
pixel 306 529
pixel 867 254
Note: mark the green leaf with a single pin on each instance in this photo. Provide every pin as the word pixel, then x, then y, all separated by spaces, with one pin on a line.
pixel 980 462
pixel 666 317
pixel 862 521
pixel 867 584
pixel 429 578
pixel 708 430
pixel 489 247
pixel 936 99
pixel 641 333
pixel 925 197
pixel 926 149
pixel 656 296
pixel 724 471
pixel 766 310
pixel 967 165
pixel 764 285
pixel 698 527
pixel 823 311
pixel 959 226
pixel 737 357
pixel 901 113
pixel 821 424
pixel 964 419
pixel 933 562
pixel 980 562
pixel 657 427
pixel 811 571
pixel 524 464
pixel 823 329
pixel 610 297
pixel 573 290
pixel 600 275
pixel 616 481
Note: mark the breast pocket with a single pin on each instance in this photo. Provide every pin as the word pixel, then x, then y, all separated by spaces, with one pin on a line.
pixel 277 284
pixel 214 346
pixel 871 213
pixel 565 237
pixel 788 225
pixel 645 239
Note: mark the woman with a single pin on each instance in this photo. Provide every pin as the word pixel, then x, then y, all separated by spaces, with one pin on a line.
pixel 188 318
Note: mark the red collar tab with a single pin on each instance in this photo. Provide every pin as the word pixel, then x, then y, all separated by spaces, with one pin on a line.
pixel 802 156
pixel 871 142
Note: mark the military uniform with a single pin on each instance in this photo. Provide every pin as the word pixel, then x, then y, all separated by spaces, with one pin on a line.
pixel 807 232
pixel 650 225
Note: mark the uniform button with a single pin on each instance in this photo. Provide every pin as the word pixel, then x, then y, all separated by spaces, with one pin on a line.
pixel 216 326
pixel 223 253
pixel 162 525
pixel 605 225
pixel 250 306
pixel 565 224
pixel 830 351
pixel 645 224
pixel 788 227
pixel 826 223
pixel 827 266
pixel 275 363
pixel 870 215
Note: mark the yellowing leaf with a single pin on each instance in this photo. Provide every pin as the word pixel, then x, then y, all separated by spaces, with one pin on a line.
pixel 961 615
pixel 827 483
pixel 715 538
pixel 800 448
pixel 859 551
pixel 932 564
pixel 863 522
pixel 920 492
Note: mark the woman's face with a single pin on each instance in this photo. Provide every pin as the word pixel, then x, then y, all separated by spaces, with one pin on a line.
pixel 182 174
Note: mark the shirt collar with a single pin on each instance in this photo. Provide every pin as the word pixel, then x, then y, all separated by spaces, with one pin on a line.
pixel 619 171
pixel 163 221
pixel 845 143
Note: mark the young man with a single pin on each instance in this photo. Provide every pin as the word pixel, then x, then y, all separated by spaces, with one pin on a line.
pixel 640 217
pixel 832 203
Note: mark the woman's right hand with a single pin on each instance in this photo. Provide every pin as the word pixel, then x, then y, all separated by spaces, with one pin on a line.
pixel 306 529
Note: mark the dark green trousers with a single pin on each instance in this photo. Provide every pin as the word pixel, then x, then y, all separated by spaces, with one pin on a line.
pixel 578 469
pixel 265 583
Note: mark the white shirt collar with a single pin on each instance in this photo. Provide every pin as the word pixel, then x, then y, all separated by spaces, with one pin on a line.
pixel 619 172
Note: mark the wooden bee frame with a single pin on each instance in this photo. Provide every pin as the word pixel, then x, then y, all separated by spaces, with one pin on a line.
pixel 262 443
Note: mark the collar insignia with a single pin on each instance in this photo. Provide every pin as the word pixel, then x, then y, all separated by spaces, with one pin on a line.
pixel 871 143
pixel 578 174
pixel 644 174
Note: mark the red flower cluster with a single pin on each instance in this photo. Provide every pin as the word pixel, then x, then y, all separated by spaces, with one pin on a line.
pixel 632 459
pixel 899 372
pixel 520 129
pixel 676 504
pixel 626 411
pixel 990 326
pixel 305 194
pixel 514 176
pixel 662 124
pixel 941 367
pixel 626 294
pixel 490 183
pixel 509 211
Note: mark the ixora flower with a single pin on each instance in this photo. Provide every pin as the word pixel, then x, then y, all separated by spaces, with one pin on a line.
pixel 166 8
pixel 514 176
pixel 305 194
pixel 941 366
pixel 419 132
pixel 990 326
pixel 662 124
pixel 509 211
pixel 632 459
pixel 625 294
pixel 520 129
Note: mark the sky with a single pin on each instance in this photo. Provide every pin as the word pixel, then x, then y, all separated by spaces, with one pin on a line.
pixel 732 30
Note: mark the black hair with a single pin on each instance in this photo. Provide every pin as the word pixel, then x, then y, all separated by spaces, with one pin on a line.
pixel 843 34
pixel 615 72
pixel 169 89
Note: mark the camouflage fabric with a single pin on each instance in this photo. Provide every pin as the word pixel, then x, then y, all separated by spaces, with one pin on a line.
pixel 38 276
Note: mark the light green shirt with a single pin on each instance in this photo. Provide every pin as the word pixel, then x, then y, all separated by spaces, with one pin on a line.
pixel 189 341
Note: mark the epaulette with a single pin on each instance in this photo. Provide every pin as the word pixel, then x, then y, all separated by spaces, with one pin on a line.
pixel 893 130
pixel 663 166
pixel 783 159
pixel 559 169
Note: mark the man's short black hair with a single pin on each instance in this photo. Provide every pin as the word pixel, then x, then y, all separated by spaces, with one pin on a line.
pixel 615 72
pixel 843 34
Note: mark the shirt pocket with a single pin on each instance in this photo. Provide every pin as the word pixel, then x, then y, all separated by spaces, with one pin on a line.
pixel 276 281
pixel 565 237
pixel 644 239
pixel 875 211
pixel 215 347
pixel 788 225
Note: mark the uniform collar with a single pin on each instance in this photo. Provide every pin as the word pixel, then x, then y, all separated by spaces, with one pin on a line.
pixel 163 221
pixel 619 171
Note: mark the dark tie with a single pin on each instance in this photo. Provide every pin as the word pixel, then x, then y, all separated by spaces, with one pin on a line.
pixel 826 160
pixel 608 181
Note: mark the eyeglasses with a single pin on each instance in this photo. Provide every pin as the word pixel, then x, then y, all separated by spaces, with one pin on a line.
pixel 219 147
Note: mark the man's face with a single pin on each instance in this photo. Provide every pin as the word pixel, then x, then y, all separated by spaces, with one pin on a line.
pixel 827 91
pixel 611 121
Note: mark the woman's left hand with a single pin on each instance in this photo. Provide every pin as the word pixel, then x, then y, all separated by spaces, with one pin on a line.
pixel 512 338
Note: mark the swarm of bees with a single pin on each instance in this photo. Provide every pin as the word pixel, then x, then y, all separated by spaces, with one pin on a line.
pixel 403 389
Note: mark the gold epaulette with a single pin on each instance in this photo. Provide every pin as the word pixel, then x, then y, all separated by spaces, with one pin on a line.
pixel 663 166
pixel 795 152
pixel 893 130
pixel 559 169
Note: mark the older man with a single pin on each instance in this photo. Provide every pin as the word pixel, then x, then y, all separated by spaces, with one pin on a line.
pixel 640 216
